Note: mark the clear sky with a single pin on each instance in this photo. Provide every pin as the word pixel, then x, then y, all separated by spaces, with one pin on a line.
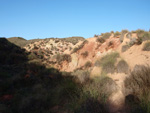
pixel 64 18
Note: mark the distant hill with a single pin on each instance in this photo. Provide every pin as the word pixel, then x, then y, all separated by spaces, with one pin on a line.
pixel 21 42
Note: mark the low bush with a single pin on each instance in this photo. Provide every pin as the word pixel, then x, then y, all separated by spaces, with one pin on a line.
pixel 121 38
pixel 125 48
pixel 100 40
pixel 124 31
pixel 122 67
pixel 132 42
pixel 85 54
pixel 94 95
pixel 73 40
pixel 106 35
pixel 88 64
pixel 80 46
pixel 95 35
pixel 108 62
pixel 146 46
pixel 63 57
pixel 110 43
pixel 82 75
pixel 138 84
pixel 116 34
pixel 129 35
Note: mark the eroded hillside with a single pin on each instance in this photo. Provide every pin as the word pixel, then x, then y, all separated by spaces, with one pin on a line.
pixel 108 73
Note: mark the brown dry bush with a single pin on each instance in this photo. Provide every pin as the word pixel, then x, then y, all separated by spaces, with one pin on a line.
pixel 85 54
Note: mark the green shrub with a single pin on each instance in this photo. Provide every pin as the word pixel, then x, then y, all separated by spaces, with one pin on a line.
pixel 85 54
pixel 80 46
pixel 108 62
pixel 95 35
pixel 132 41
pixel 138 84
pixel 116 34
pixel 112 32
pixel 122 67
pixel 88 64
pixel 125 48
pixel 63 57
pixel 146 36
pixel 82 75
pixel 146 46
pixel 121 38
pixel 124 31
pixel 106 35
pixel 110 43
pixel 129 35
pixel 100 40
pixel 73 40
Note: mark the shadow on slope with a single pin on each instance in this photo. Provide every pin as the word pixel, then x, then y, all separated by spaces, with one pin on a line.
pixel 32 88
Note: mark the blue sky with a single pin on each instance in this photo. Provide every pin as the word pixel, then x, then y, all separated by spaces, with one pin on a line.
pixel 64 18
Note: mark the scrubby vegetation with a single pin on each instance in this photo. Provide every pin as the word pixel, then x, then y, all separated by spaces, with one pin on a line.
pixel 107 62
pixel 80 46
pixel 125 48
pixel 73 40
pixel 85 54
pixel 63 57
pixel 106 35
pixel 100 40
pixel 146 46
pixel 117 34
pixel 138 87
pixel 142 35
pixel 122 67
pixel 30 87
pixel 21 42
pixel 123 32
pixel 88 64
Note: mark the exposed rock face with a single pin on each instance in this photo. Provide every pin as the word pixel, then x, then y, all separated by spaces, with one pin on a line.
pixel 48 50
